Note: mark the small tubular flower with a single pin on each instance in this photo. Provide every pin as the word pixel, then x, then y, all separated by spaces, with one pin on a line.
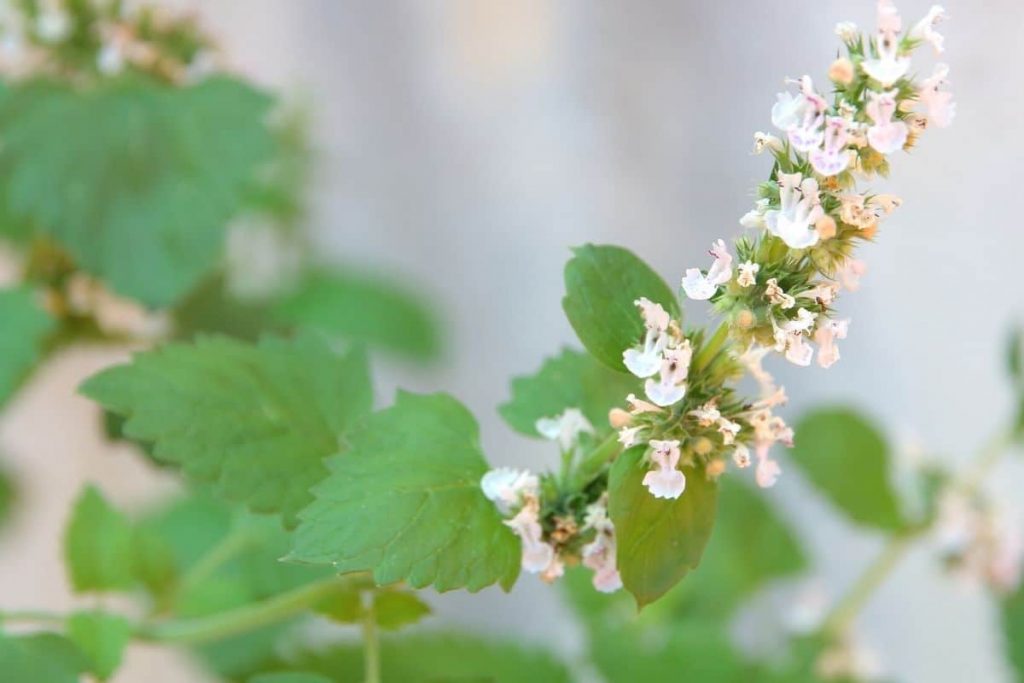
pixel 671 385
pixel 702 287
pixel 833 158
pixel 665 481
pixel 645 360
pixel 939 104
pixel 825 336
pixel 886 135
pixel 509 488
pixel 800 208
pixel 565 428
pixel 889 66
pixel 924 30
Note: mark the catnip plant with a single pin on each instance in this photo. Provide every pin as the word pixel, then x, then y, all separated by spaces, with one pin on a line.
pixel 300 502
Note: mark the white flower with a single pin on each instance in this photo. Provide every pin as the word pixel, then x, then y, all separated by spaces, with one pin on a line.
pixel 665 481
pixel 850 273
pixel 768 470
pixel 800 208
pixel 728 429
pixel 924 30
pixel 507 488
pixel 752 359
pixel 707 414
pixel 939 103
pixel 538 556
pixel 702 287
pixel 564 428
pixel 801 116
pixel 763 141
pixel 886 135
pixel 53 24
pixel 645 360
pixel 755 217
pixel 110 60
pixel 794 345
pixel 741 456
pixel 599 554
pixel 803 323
pixel 889 67
pixel 748 274
pixel 826 336
pixel 824 293
pixel 774 398
pixel 834 158
pixel 629 436
pixel 777 296
pixel 671 386
pixel 847 31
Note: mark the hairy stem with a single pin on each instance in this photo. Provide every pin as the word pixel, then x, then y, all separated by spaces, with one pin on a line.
pixel 371 644
pixel 592 463
pixel 895 549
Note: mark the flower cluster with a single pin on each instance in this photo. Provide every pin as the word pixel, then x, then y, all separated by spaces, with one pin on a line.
pixel 83 40
pixel 776 292
pixel 979 541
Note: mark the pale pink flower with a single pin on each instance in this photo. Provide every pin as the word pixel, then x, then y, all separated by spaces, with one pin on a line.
pixel 665 481
pixel 564 428
pixel 728 429
pixel 507 488
pixel 924 30
pixel 889 66
pixel 538 556
pixel 768 470
pixel 741 456
pixel 671 385
pixel 707 414
pixel 833 158
pixel 645 360
pixel 702 287
pixel 886 135
pixel 850 273
pixel 800 208
pixel 599 554
pixel 777 296
pixel 825 336
pixel 629 436
pixel 939 103
pixel 748 274
pixel 638 405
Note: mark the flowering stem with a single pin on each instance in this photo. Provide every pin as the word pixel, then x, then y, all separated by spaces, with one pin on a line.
pixel 32 617
pixel 711 348
pixel 591 464
pixel 220 554
pixel 217 626
pixel 847 609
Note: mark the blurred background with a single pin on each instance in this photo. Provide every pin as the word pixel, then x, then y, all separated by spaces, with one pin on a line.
pixel 469 144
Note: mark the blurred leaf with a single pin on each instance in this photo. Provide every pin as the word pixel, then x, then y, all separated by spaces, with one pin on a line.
pixel 659 541
pixel 393 607
pixel 601 284
pixel 210 308
pixel 405 502
pixel 441 658
pixel 749 546
pixel 1015 357
pixel 1012 613
pixel 847 459
pixel 363 308
pixel 136 179
pixel 41 658
pixel 571 379
pixel 290 677
pixel 24 326
pixel 98 545
pixel 256 421
pixel 8 495
pixel 102 638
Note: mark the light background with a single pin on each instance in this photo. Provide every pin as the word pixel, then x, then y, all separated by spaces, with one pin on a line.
pixel 468 144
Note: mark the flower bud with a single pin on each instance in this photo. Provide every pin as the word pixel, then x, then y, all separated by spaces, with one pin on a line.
pixel 745 319
pixel 715 468
pixel 702 445
pixel 826 227
pixel 841 71
pixel 619 418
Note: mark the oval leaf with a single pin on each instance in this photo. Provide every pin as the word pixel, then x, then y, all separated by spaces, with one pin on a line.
pixel 659 540
pixel 601 284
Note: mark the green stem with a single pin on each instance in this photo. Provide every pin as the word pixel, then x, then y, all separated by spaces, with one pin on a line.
pixel 219 555
pixel 371 644
pixel 592 463
pixel 895 549
pixel 711 348
pixel 247 618
pixel 32 617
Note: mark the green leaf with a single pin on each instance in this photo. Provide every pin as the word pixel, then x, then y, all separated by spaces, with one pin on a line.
pixel 42 658
pixel 362 308
pixel 1015 357
pixel 571 379
pixel 405 502
pixel 847 459
pixel 1012 618
pixel 102 638
pixel 393 607
pixel 440 658
pixel 98 545
pixel 601 284
pixel 8 496
pixel 659 541
pixel 290 677
pixel 152 175
pixel 256 421
pixel 211 309
pixel 24 326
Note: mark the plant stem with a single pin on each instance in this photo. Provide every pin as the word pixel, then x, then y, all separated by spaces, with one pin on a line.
pixel 371 643
pixel 246 618
pixel 591 464
pixel 33 617
pixel 895 549
pixel 220 554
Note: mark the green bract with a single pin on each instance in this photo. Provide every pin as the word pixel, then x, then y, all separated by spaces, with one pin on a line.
pixel 601 284
pixel 135 179
pixel 659 541
pixel 405 503
pixel 256 421
pixel 102 638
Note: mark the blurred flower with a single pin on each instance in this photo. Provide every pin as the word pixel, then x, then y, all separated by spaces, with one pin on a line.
pixel 564 428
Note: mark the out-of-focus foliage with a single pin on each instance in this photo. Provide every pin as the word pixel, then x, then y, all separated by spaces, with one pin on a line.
pixel 848 460
pixel 24 328
pixel 572 379
pixel 99 545
pixel 405 503
pixel 102 638
pixel 601 284
pixel 258 421
pixel 136 180
pixel 40 658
